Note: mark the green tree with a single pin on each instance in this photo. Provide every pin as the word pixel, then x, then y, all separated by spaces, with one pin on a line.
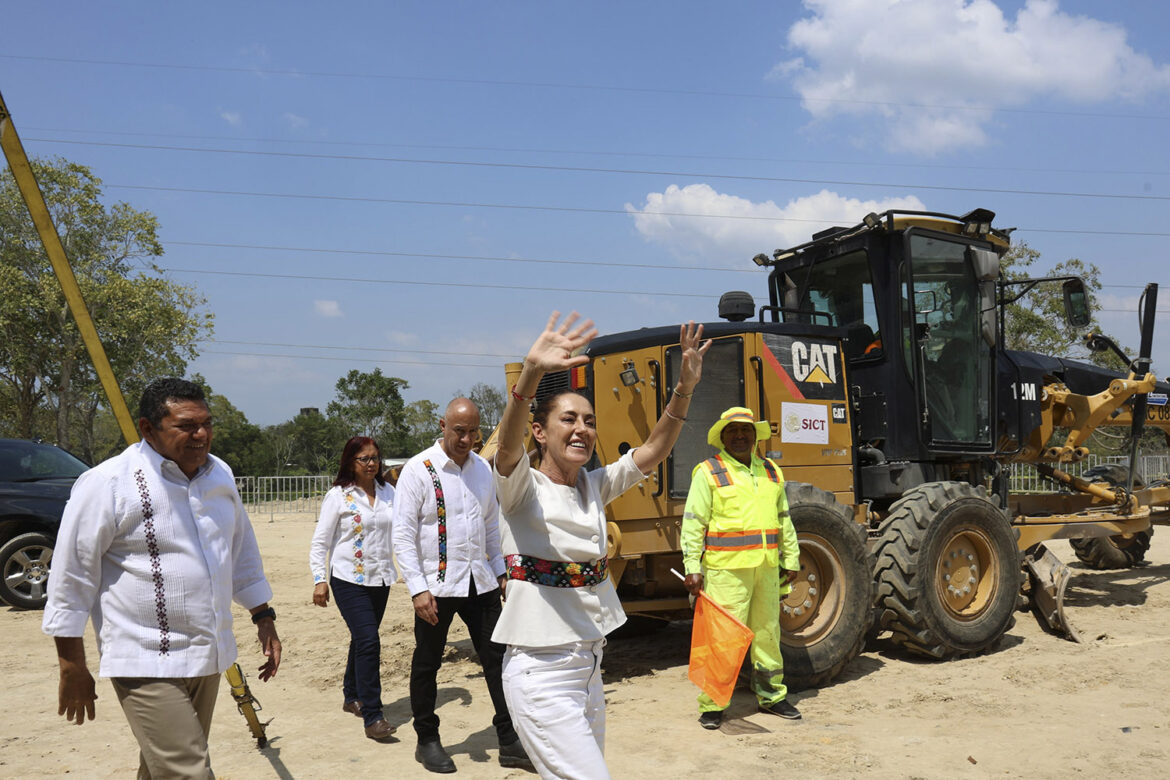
pixel 491 403
pixel 370 404
pixel 309 443
pixel 422 424
pixel 149 325
pixel 1036 322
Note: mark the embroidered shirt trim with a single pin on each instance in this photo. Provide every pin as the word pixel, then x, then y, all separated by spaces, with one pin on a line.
pixel 156 574
pixel 441 514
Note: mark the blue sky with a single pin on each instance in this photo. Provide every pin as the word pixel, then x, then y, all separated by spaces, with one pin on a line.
pixel 416 186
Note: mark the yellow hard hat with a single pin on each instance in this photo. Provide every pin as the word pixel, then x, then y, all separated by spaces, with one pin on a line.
pixel 737 414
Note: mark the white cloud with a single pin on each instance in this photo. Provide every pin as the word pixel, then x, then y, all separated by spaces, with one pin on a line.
pixel 295 121
pixel 401 338
pixel 327 308
pixel 233 118
pixel 696 222
pixel 930 68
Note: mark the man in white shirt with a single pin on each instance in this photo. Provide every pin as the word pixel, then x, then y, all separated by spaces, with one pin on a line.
pixel 447 543
pixel 154 545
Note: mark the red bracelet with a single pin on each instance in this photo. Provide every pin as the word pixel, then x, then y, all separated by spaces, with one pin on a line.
pixel 522 398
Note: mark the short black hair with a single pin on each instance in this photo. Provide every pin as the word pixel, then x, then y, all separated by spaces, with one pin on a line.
pixel 153 404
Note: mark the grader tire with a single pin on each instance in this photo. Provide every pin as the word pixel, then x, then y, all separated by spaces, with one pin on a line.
pixel 948 571
pixel 825 618
pixel 1112 552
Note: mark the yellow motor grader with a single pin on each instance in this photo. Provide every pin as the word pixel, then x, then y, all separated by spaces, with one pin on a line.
pixel 897 415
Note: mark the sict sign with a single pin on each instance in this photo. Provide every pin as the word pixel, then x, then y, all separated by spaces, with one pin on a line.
pixel 804 423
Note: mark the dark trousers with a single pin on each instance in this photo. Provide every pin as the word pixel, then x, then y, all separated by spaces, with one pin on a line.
pixel 479 613
pixel 362 607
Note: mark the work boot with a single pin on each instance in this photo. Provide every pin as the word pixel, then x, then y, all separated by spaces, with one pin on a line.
pixel 433 758
pixel 512 755
pixel 711 720
pixel 380 730
pixel 781 708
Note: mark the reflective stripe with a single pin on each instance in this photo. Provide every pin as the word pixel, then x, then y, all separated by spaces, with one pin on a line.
pixel 772 475
pixel 718 471
pixel 743 540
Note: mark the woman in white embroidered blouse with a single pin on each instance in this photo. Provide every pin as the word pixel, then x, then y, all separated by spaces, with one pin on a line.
pixel 353 532
pixel 560 601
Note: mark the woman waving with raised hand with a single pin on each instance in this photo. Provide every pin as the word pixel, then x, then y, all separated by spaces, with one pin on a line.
pixel 560 601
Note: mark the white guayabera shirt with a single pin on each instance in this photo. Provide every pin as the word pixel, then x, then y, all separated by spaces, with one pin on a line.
pixel 444 557
pixel 156 560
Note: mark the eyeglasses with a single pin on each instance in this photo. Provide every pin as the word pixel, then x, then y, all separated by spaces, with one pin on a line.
pixel 193 427
pixel 367 459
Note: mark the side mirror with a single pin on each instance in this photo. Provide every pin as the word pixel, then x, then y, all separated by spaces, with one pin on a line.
pixel 925 302
pixel 1076 303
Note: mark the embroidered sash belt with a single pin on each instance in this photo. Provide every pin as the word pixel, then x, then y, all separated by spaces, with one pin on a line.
pixel 556 574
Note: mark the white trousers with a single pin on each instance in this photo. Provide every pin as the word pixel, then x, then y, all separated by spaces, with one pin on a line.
pixel 558 708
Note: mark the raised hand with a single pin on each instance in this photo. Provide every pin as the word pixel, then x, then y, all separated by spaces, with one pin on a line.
pixel 690 338
pixel 553 349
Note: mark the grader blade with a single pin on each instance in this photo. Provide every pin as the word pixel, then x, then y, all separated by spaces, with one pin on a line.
pixel 1049 578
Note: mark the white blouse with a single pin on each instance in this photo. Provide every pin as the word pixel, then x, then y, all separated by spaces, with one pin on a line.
pixel 559 523
pixel 354 536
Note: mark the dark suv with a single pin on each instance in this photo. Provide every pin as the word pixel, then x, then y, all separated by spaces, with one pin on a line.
pixel 35 480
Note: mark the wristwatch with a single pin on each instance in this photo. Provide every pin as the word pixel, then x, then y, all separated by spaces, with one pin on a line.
pixel 264 613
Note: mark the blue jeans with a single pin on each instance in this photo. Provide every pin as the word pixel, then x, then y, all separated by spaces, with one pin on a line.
pixel 362 607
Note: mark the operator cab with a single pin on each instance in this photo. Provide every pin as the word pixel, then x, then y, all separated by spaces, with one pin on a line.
pixel 914 294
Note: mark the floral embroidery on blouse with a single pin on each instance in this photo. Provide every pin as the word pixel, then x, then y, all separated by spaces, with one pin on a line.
pixel 359 567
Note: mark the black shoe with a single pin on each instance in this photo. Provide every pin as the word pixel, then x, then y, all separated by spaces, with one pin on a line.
pixel 711 720
pixel 512 755
pixel 781 708
pixel 433 758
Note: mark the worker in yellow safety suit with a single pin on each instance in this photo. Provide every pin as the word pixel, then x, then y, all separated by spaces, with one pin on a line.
pixel 740 547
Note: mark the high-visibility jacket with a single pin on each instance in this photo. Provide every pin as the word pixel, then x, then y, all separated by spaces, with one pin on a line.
pixel 736 517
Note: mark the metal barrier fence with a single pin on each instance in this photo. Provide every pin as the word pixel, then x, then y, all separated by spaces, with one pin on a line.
pixel 302 495
pixel 283 495
pixel 1026 479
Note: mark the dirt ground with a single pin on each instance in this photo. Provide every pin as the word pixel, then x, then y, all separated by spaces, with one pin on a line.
pixel 1035 707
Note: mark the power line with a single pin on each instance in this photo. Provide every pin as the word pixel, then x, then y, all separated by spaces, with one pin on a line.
pixel 321 357
pixel 335 347
pixel 597 152
pixel 578 86
pixel 564 209
pixel 487 258
pixel 491 258
pixel 475 285
pixel 623 171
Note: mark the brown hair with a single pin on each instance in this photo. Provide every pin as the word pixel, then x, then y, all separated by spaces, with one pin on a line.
pixel 346 475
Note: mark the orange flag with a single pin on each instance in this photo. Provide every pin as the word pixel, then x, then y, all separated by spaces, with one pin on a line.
pixel 718 645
